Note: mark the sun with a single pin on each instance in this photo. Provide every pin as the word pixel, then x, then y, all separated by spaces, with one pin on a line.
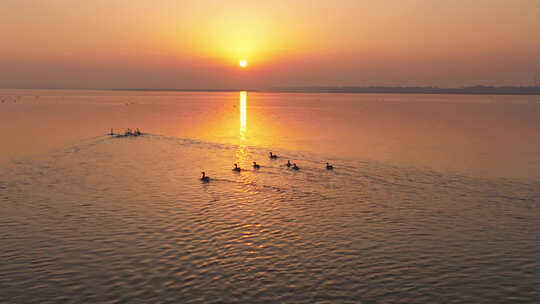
pixel 243 63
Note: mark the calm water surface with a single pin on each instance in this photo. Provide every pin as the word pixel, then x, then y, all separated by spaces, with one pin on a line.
pixel 434 199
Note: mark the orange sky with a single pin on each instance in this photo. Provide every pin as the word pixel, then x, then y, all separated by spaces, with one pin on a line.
pixel 197 44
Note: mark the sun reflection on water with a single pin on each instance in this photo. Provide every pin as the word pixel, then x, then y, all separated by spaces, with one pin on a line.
pixel 243 126
pixel 241 152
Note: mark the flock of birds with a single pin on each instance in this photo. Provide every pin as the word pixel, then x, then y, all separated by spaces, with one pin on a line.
pixel 205 178
pixel 15 99
pixel 127 133
pixel 293 166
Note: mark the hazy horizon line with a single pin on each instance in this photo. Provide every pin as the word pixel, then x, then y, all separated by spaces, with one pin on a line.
pixel 472 89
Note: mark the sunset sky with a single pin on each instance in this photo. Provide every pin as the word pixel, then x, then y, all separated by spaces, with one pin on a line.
pixel 198 44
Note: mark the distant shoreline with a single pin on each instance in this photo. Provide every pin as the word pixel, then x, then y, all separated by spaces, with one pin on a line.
pixel 472 90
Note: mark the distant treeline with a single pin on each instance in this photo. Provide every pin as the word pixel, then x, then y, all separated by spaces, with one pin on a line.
pixel 507 90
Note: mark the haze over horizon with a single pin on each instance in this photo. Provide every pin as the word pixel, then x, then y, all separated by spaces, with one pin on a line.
pixel 198 44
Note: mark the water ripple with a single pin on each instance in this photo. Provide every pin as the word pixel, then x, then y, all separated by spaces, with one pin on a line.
pixel 129 221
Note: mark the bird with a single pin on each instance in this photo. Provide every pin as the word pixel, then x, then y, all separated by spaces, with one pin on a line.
pixel 273 156
pixel 205 178
pixel 329 167
pixel 236 168
pixel 288 163
pixel 112 133
pixel 295 167
pixel 256 166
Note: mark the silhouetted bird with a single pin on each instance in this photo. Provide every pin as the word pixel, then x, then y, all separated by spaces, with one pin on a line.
pixel 288 163
pixel 273 156
pixel 255 165
pixel 236 168
pixel 295 167
pixel 329 167
pixel 205 178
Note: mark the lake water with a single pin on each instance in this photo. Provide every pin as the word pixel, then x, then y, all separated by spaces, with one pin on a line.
pixel 433 199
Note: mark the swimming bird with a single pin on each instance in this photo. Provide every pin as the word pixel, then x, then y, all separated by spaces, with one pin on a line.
pixel 288 163
pixel 236 168
pixel 329 167
pixel 112 133
pixel 273 156
pixel 256 166
pixel 295 167
pixel 205 178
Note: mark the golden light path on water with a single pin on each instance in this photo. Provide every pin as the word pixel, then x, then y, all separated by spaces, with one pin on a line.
pixel 243 102
pixel 242 148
